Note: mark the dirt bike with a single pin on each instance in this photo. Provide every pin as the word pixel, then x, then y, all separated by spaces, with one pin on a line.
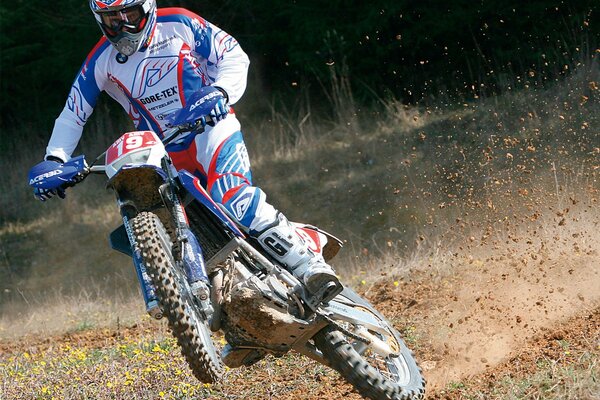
pixel 199 269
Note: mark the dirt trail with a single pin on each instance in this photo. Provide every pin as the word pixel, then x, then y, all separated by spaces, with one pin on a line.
pixel 500 294
pixel 473 321
pixel 502 299
pixel 582 333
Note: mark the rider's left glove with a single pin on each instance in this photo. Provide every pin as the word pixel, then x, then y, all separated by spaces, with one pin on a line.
pixel 221 108
pixel 207 106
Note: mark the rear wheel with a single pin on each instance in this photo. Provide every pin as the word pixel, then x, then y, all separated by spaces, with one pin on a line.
pixel 186 323
pixel 375 376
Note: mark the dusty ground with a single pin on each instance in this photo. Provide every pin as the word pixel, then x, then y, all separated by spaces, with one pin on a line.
pixel 506 303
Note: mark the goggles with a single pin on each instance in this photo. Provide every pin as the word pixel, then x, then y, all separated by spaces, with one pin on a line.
pixel 131 19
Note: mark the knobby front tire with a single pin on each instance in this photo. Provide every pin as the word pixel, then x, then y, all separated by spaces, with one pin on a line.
pixel 185 323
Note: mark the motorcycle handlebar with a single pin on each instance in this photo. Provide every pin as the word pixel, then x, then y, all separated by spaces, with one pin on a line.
pixel 168 136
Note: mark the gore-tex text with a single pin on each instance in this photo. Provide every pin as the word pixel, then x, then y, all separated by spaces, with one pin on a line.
pixel 159 96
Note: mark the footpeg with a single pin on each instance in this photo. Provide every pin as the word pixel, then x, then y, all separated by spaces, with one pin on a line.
pixel 325 294
pixel 329 291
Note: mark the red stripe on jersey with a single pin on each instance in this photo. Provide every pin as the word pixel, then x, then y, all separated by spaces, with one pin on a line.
pixel 94 50
pixel 181 11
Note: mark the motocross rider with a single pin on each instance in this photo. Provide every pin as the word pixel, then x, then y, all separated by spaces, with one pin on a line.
pixel 152 62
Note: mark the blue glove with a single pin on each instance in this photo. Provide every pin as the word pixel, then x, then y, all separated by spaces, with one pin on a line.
pixel 208 101
pixel 51 177
pixel 221 109
pixel 45 194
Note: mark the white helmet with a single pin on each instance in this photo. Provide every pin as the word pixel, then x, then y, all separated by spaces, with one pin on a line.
pixel 127 24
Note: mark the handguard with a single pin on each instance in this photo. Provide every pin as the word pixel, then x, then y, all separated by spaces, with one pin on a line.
pixel 52 175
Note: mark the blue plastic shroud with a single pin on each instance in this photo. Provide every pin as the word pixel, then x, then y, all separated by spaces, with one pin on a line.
pixel 193 186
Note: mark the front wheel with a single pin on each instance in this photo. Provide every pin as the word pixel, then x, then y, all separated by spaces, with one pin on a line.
pixel 395 377
pixel 185 322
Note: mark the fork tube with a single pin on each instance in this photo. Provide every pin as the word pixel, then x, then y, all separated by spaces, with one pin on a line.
pixel 191 251
pixel 148 291
pixel 180 215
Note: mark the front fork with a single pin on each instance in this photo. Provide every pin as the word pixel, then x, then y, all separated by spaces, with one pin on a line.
pixel 190 257
pixel 148 290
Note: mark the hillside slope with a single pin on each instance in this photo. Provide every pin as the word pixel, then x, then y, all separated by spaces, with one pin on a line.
pixel 472 226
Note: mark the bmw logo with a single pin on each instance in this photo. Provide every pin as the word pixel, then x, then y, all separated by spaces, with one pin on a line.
pixel 121 58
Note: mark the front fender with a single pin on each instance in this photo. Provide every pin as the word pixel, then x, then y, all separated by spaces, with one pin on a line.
pixel 139 184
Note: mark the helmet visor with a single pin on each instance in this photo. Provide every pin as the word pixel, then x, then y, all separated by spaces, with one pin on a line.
pixel 131 19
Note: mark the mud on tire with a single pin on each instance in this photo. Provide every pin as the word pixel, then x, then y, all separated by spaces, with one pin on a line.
pixel 366 379
pixel 186 326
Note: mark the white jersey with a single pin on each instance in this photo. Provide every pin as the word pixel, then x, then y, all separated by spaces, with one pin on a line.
pixel 185 53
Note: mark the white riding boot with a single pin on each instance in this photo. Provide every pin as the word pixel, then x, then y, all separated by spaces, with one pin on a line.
pixel 282 242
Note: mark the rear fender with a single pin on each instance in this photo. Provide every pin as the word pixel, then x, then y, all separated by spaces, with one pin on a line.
pixel 354 313
pixel 349 297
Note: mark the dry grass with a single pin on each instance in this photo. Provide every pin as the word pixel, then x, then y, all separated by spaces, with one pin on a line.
pixel 393 188
pixel 147 364
pixel 578 381
pixel 95 306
